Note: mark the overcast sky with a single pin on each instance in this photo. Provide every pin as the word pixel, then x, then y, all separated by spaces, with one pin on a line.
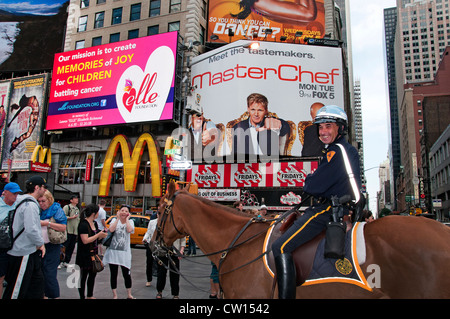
pixel 367 27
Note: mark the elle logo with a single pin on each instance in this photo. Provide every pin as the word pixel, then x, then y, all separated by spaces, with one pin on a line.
pixel 141 94
pixel 144 95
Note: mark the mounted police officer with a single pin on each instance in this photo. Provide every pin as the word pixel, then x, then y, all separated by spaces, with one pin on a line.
pixel 331 178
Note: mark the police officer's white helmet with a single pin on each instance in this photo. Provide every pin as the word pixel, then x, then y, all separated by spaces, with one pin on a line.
pixel 330 114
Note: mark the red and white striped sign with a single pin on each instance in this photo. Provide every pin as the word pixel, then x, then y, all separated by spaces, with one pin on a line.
pixel 282 174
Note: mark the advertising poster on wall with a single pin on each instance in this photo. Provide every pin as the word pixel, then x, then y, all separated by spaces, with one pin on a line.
pixel 22 130
pixel 122 82
pixel 31 32
pixel 247 18
pixel 263 100
pixel 4 98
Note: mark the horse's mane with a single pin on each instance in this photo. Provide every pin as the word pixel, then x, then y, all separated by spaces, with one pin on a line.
pixel 216 205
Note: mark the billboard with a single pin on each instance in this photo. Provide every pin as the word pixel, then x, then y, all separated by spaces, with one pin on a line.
pixel 263 100
pixel 22 131
pixel 122 82
pixel 277 174
pixel 25 26
pixel 246 18
pixel 4 99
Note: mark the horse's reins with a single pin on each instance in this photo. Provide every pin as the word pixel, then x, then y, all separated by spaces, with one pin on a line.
pixel 169 251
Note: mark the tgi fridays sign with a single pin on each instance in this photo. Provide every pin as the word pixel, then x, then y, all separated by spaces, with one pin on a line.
pixel 282 174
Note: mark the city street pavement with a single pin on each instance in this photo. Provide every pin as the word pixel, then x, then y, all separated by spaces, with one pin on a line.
pixel 190 268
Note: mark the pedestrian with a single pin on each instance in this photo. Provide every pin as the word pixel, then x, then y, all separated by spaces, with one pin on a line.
pixel 119 252
pixel 24 276
pixel 214 282
pixel 331 178
pixel 51 209
pixel 7 203
pixel 101 223
pixel 262 211
pixel 148 252
pixel 174 265
pixel 238 205
pixel 73 219
pixel 368 216
pixel 88 237
pixel 192 247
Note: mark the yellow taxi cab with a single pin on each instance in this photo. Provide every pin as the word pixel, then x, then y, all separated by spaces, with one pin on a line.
pixel 140 227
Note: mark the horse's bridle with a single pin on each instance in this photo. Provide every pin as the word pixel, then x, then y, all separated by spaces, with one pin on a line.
pixel 167 213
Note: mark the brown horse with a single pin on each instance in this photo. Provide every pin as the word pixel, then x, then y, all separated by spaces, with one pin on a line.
pixel 411 254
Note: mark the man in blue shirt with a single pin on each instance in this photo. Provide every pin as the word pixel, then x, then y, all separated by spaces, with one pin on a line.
pixel 331 178
pixel 7 204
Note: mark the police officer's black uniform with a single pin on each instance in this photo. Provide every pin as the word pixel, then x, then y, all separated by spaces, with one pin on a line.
pixel 330 179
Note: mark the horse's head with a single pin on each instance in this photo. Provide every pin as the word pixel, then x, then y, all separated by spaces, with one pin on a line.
pixel 169 227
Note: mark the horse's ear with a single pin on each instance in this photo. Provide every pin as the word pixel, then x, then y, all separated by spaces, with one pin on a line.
pixel 171 188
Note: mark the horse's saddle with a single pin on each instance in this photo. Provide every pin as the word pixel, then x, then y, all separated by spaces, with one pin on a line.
pixel 306 257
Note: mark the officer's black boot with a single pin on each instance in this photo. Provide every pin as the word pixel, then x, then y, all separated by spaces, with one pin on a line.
pixel 285 276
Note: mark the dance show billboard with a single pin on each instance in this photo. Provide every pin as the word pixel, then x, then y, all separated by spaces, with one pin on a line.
pixel 247 18
pixel 122 82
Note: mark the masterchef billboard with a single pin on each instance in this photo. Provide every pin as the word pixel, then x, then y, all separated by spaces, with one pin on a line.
pixel 275 89
pixel 246 18
pixel 122 82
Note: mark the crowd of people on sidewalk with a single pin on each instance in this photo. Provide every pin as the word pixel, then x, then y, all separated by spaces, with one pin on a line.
pixel 45 236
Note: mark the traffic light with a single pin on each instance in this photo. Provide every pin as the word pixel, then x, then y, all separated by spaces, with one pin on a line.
pixel 422 196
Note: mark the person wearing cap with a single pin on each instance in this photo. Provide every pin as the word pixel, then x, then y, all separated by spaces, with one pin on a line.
pixel 24 275
pixel 329 179
pixel 263 210
pixel 202 133
pixel 7 203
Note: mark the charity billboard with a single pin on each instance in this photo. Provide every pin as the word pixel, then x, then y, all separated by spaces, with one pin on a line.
pixel 249 18
pixel 262 101
pixel 123 82
pixel 23 125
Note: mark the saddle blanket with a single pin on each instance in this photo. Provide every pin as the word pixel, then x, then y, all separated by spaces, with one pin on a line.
pixel 328 270
pixel 345 270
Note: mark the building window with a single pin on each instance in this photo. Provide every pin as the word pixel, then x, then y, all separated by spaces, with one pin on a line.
pixel 84 3
pixel 96 41
pixel 82 23
pixel 101 1
pixel 72 169
pixel 133 34
pixel 99 19
pixel 116 16
pixel 135 13
pixel 175 6
pixel 154 29
pixel 204 8
pixel 155 8
pixel 80 44
pixel 115 37
pixel 174 26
